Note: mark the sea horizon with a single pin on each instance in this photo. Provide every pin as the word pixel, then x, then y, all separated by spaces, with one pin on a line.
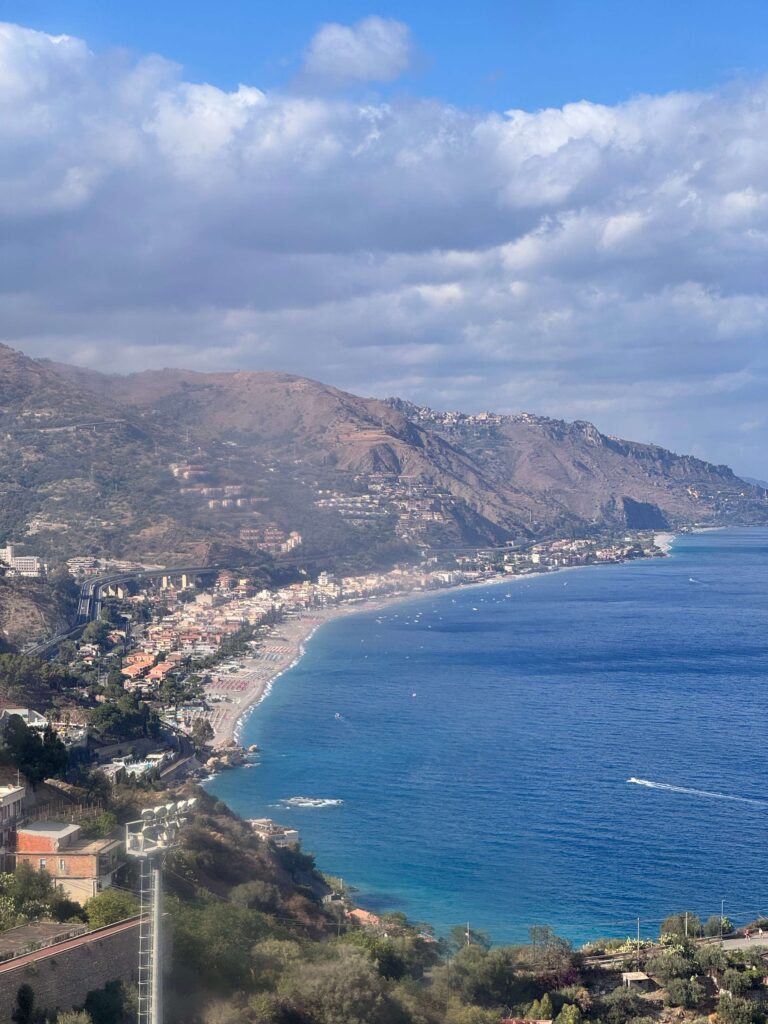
pixel 480 743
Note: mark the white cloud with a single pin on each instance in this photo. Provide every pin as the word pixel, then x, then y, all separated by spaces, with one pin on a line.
pixel 372 50
pixel 590 261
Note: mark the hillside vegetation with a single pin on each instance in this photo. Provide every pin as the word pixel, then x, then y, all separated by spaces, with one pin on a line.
pixel 174 466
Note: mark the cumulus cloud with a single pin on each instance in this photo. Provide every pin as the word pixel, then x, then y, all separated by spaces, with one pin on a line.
pixel 591 261
pixel 372 50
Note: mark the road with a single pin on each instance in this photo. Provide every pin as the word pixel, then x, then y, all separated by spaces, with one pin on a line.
pixel 90 601
pixel 742 943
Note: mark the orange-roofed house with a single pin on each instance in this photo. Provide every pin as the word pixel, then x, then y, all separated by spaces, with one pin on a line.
pixel 161 670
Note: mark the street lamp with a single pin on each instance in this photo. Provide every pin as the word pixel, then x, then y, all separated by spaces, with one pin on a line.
pixel 149 839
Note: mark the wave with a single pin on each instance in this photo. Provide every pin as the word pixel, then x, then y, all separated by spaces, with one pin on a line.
pixel 310 801
pixel 697 792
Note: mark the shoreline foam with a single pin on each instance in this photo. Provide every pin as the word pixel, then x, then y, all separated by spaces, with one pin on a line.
pixel 298 629
pixel 664 541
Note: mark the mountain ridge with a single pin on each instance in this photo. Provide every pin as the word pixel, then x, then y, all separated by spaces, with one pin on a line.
pixel 180 464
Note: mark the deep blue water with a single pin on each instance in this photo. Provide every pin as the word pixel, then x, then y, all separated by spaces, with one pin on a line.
pixel 486 738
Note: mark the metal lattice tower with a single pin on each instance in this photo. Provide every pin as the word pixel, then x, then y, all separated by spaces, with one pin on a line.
pixel 146 964
pixel 149 840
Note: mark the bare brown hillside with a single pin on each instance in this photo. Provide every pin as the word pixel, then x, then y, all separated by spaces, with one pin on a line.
pixel 175 464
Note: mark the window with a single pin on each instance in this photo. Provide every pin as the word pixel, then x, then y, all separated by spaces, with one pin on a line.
pixel 42 863
pixel 62 865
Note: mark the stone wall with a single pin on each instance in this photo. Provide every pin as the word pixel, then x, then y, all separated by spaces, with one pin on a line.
pixel 62 979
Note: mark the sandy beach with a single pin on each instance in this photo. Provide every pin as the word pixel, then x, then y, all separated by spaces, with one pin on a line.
pixel 232 694
pixel 664 541
pixel 235 692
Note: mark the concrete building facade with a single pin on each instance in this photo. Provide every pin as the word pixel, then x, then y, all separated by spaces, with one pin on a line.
pixel 11 807
pixel 83 867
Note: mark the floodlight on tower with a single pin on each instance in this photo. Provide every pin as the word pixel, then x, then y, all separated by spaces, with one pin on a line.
pixel 149 839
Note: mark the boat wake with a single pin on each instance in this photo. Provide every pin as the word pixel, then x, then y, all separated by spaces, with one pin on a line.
pixel 696 792
pixel 310 801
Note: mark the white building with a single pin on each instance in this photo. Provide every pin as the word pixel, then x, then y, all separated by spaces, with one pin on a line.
pixel 21 565
pixel 70 734
pixel 11 804
pixel 31 718
pixel 270 832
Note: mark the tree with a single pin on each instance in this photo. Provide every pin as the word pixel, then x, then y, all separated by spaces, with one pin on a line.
pixel 99 825
pixel 64 909
pixel 550 952
pixel 669 964
pixel 106 1005
pixel 67 653
pixel 272 957
pixel 547 1010
pixel 110 906
pixel 213 943
pixel 25 1003
pixel 30 890
pixel 346 990
pixel 738 983
pixel 97 633
pixel 714 924
pixel 707 957
pixel 27 681
pixel 114 687
pixel 202 732
pixel 685 992
pixel 732 1010
pixel 386 953
pixel 123 719
pixel 257 895
pixel 63 583
pixel 36 757
pixel 569 1014
pixel 480 976
pixel 676 924
pixel 621 1005
pixel 458 1013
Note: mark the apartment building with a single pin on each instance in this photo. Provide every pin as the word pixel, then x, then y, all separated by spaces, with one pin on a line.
pixel 81 866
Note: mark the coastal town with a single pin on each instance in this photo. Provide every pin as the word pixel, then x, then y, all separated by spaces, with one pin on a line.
pixel 201 650
pixel 156 687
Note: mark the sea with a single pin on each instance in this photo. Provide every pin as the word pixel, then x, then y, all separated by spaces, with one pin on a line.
pixel 578 749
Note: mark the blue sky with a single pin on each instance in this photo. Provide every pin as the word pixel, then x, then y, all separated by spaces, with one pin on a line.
pixel 490 53
pixel 544 206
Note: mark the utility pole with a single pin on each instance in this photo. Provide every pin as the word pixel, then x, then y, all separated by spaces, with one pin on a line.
pixel 149 839
pixel 638 943
pixel 686 924
pixel 722 916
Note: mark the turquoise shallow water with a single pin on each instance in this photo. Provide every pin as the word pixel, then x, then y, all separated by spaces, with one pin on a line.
pixel 481 742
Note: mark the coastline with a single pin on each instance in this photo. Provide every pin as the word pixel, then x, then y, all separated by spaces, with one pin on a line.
pixel 664 541
pixel 283 650
pixel 246 688
pixel 373 895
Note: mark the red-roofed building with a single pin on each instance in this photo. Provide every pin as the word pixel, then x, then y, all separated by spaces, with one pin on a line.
pixel 81 866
